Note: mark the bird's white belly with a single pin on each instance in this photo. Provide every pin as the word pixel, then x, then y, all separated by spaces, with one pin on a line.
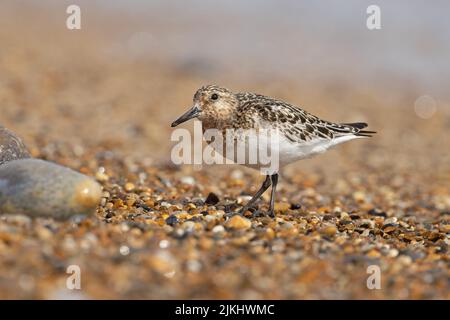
pixel 272 153
pixel 290 152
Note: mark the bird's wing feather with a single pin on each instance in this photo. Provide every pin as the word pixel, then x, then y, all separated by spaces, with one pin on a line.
pixel 296 123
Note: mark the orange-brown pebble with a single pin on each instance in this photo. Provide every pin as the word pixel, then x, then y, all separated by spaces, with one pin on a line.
pixel 239 223
pixel 282 206
pixel 129 187
pixel 329 231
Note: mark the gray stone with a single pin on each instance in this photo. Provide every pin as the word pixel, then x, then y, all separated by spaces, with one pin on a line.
pixel 41 188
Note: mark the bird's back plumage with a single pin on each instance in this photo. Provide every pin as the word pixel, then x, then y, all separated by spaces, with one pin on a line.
pixel 297 124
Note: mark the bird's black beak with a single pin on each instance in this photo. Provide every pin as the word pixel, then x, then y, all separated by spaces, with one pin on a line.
pixel 192 113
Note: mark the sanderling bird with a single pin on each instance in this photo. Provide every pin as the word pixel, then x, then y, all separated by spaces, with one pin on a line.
pixel 300 134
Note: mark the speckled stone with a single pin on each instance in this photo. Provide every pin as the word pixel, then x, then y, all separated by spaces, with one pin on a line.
pixel 11 147
pixel 41 188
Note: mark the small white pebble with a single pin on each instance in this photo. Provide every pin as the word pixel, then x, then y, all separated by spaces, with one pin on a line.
pixel 218 229
pixel 188 180
pixel 390 220
pixel 393 253
pixel 209 218
pixel 165 204
pixel 124 250
pixel 164 244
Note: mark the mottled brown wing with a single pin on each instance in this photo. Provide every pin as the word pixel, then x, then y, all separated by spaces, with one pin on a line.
pixel 297 124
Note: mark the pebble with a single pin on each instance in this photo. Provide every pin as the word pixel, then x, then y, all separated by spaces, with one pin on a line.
pixel 212 199
pixel 129 187
pixel 345 216
pixel 355 217
pixel 329 231
pixel 239 223
pixel 337 209
pixel 377 212
pixel 172 220
pixel 359 196
pixel 282 206
pixel 43 233
pixel 11 147
pixel 188 226
pixel 270 233
pixel 101 176
pixel 393 253
pixel 40 188
pixel 373 253
pixel 388 228
pixel 164 244
pixel 366 223
pixel 218 229
pixel 165 204
pixel 179 233
pixel 124 250
pixel 390 221
pixel 188 180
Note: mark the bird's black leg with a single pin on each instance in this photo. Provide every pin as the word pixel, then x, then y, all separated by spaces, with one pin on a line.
pixel 264 187
pixel 274 179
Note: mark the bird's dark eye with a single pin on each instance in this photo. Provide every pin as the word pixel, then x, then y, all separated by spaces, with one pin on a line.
pixel 214 96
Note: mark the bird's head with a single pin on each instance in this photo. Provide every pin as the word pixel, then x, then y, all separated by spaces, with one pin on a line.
pixel 212 104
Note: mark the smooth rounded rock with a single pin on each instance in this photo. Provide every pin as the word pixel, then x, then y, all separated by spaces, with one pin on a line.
pixel 41 188
pixel 11 147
